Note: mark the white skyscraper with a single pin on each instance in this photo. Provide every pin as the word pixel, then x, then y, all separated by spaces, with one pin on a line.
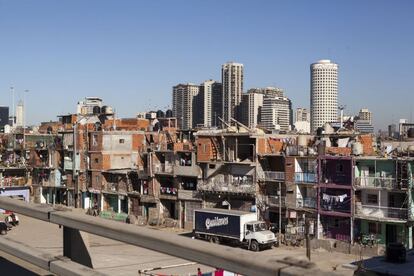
pixel 251 108
pixel 19 114
pixel 186 106
pixel 276 112
pixel 212 101
pixel 324 93
pixel 232 80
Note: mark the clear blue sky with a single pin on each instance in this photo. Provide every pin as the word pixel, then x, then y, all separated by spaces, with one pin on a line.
pixel 131 53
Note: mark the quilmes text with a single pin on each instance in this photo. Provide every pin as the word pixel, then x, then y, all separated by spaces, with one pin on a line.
pixel 216 222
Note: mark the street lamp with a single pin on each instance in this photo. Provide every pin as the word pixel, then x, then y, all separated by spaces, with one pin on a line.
pixel 226 203
pixel 12 92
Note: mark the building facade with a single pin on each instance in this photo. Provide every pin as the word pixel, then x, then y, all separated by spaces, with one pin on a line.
pixel 324 93
pixel 251 108
pixel 187 106
pixel 232 80
pixel 276 113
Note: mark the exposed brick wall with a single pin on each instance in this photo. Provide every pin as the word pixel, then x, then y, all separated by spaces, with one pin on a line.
pixel 204 149
pixel 96 161
pixel 290 182
pixel 138 141
pixel 338 151
pixel 366 141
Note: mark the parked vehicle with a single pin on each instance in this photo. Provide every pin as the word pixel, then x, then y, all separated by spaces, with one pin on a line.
pixel 12 219
pixel 218 225
pixel 4 228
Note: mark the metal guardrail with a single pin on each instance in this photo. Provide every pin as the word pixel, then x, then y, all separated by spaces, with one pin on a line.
pixel 376 182
pixel 382 212
pixel 305 177
pixel 57 265
pixel 231 259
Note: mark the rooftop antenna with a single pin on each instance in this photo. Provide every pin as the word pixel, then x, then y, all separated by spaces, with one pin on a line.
pixel 12 92
pixel 114 123
pixel 341 108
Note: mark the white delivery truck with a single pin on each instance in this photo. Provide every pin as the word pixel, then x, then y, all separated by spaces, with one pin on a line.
pixel 219 225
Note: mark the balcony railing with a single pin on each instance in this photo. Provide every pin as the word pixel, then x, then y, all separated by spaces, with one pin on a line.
pixel 376 182
pixel 232 187
pixel 163 168
pixel 276 200
pixel 168 191
pixel 307 202
pixel 381 212
pixel 271 175
pixel 305 177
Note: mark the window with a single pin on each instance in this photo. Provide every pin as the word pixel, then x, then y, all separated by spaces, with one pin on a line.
pixel 96 160
pixel 339 168
pixel 372 199
pixel 121 141
pixel 95 140
pixel 374 228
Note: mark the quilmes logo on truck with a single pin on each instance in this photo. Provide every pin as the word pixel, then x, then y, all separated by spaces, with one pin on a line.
pixel 216 221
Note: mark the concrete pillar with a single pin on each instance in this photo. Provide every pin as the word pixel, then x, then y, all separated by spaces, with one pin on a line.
pixel 102 202
pixel 119 204
pixel 53 196
pixel 352 230
pixel 318 218
pixel 75 246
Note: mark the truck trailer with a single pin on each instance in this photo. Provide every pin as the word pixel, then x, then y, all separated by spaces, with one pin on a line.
pixel 219 226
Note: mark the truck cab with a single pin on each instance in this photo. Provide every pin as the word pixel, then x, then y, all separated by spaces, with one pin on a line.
pixel 257 236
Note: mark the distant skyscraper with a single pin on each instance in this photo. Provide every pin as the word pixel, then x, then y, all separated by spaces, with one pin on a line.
pixel 275 91
pixel 324 93
pixel 4 116
pixel 276 112
pixel 302 115
pixel 212 102
pixel 232 80
pixel 185 102
pixel 19 114
pixel 251 108
pixel 365 114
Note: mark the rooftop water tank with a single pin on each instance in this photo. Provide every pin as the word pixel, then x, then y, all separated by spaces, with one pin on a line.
pixel 302 141
pixel 357 148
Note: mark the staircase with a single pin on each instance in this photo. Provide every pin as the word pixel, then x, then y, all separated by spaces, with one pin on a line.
pixel 216 148
pixel 402 174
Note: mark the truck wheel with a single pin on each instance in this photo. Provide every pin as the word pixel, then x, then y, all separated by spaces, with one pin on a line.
pixel 215 240
pixel 254 246
pixel 3 232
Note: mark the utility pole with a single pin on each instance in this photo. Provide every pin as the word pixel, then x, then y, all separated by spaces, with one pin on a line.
pixel 24 122
pixel 280 211
pixel 308 249
pixel 74 164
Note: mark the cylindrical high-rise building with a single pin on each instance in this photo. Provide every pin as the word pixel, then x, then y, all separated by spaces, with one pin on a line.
pixel 324 93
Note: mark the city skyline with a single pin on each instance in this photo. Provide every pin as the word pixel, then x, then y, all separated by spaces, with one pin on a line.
pixel 114 49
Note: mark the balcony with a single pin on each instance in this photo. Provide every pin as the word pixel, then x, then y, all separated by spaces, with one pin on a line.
pixel 376 182
pixel 163 169
pixel 245 187
pixel 276 200
pixel 271 176
pixel 193 171
pixel 306 202
pixel 305 177
pixel 188 195
pixel 381 212
pixel 168 191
